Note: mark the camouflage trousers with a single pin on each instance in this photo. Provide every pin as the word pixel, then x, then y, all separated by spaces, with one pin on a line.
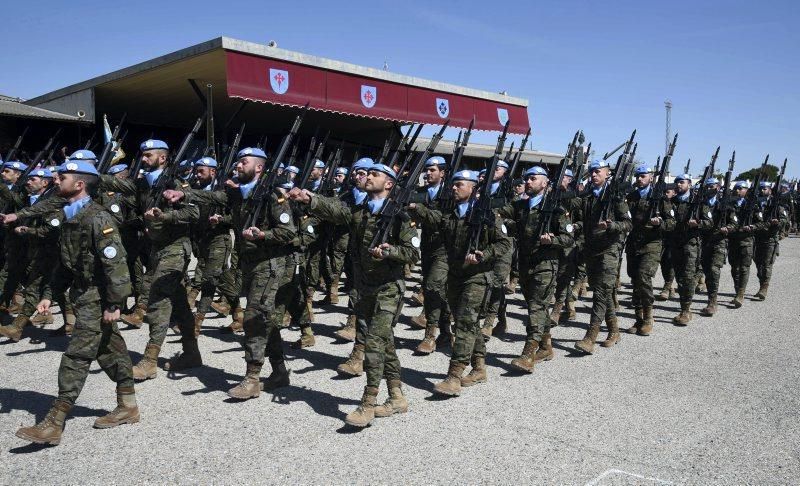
pixel 212 259
pixel 684 260
pixel 538 284
pixel 764 254
pixel 468 296
pixel 263 281
pixel 667 268
pixel 297 296
pixel 336 251
pixel 134 244
pixel 434 284
pixel 601 270
pixel 230 282
pixel 166 299
pixel 12 274
pixel 642 265
pixel 92 340
pixel 497 299
pixel 377 310
pixel 567 270
pixel 740 256
pixel 713 259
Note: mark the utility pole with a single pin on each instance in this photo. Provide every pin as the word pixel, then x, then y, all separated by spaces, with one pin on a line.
pixel 668 107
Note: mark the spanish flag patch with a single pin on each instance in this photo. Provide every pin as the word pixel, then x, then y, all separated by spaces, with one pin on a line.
pixel 107 230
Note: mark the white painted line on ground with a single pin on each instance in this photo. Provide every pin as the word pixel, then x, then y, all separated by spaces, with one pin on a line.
pixel 605 474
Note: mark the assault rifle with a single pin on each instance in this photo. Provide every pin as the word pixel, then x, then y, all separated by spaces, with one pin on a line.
pixel 88 145
pixel 616 188
pixel 408 148
pixel 328 187
pixel 170 172
pixel 659 193
pixel 224 171
pixel 697 197
pixel 13 151
pixel 445 195
pixel 772 207
pixel 481 213
pixel 551 204
pixel 687 166
pixel 751 200
pixel 104 162
pixel 19 186
pixel 211 146
pixel 260 197
pixel 508 182
pixel 726 193
pixel 396 202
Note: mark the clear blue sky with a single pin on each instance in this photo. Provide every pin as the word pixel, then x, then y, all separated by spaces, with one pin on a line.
pixel 730 68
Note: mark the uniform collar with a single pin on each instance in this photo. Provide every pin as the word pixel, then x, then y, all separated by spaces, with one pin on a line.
pixel 246 189
pixel 375 205
pixel 359 195
pixel 534 201
pixel 433 190
pixel 152 176
pixel 463 208
pixel 72 209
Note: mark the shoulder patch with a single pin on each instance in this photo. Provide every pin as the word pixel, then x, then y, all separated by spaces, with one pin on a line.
pixel 710 216
pixel 504 229
pixel 109 252
pixel 55 222
pixel 284 218
pixel 107 230
pixel 310 229
pixel 735 219
pixel 672 212
pixel 114 208
pixel 570 228
pixel 415 241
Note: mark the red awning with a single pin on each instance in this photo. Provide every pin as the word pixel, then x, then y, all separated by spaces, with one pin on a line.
pixel 285 83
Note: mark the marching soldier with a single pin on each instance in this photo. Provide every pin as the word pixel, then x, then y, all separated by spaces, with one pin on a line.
pixel 667 269
pixel 715 242
pixel 569 258
pixel 740 241
pixel 496 308
pixel 774 216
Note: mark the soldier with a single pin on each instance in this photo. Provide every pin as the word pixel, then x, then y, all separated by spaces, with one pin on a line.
pixel 644 246
pixel 667 269
pixel 538 263
pixel 740 244
pixel 714 241
pixel 93 265
pixel 603 244
pixel 469 280
pixel 774 216
pixel 11 197
pixel 336 250
pixel 496 308
pixel 379 279
pixel 569 258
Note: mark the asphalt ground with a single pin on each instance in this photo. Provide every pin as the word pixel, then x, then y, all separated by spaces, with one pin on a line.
pixel 712 403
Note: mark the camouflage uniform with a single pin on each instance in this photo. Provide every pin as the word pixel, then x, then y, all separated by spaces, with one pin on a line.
pixel 123 209
pixel 766 241
pixel 569 259
pixel 714 249
pixel 740 249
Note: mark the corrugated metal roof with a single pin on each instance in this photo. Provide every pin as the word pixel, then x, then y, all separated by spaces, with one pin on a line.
pixel 12 107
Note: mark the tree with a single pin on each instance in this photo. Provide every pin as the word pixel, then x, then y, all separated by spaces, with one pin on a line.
pixel 771 173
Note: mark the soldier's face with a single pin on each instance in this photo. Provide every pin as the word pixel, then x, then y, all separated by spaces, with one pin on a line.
pixel 69 186
pixel 644 180
pixel 248 168
pixel 462 190
pixel 154 158
pixel 433 175
pixel 316 173
pixel 599 176
pixel 10 176
pixel 766 191
pixel 519 189
pixel 682 186
pixel 535 184
pixel 340 178
pixel 35 184
pixel 565 181
pixel 360 178
pixel 377 181
pixel 204 174
pixel 123 174
pixel 712 189
pixel 669 193
pixel 499 172
pixel 290 176
pixel 741 191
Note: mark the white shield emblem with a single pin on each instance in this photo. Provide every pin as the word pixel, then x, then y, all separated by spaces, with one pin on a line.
pixel 369 95
pixel 279 80
pixel 502 115
pixel 442 107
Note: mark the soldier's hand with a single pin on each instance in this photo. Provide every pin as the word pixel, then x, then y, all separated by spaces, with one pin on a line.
pixel 546 239
pixel 474 258
pixel 8 218
pixel 382 251
pixel 173 196
pixel 21 230
pixel 747 229
pixel 602 225
pixel 153 214
pixel 655 221
pixel 231 183
pixel 723 230
pixel 110 317
pixel 214 219
pixel 300 195
pixel 412 206
pixel 43 307
pixel 252 233
pixel 774 222
pixel 693 223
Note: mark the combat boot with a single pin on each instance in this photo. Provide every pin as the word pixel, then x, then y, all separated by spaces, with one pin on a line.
pixel 16 303
pixel 526 360
pixel 222 307
pixel 49 430
pixel 555 314
pixel 396 403
pixel 477 374
pixel 286 322
pixel 428 343
pixel 250 386
pixel 237 324
pixel 613 332
pixel 348 332
pixel 189 358
pixel 634 329
pixel 665 293
pixel 279 377
pixel 354 366
pixel 41 320
pixel 685 315
pixel 306 338
pixel 647 324
pixel 711 308
pixel 587 343
pixel 191 296
pixel 419 322
pixel 501 326
pixel 488 325
pixel 127 412
pixel 451 385
pixel 13 331
pixel 419 298
pixel 198 324
pixel 545 351
pixel 146 368
pixel 333 292
pixel 135 318
pixel 762 292
pixel 365 413
pixel 511 286
pixel 737 301
pixel 69 321
pixel 571 311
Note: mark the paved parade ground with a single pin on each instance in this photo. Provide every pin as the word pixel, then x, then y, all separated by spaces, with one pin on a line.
pixel 714 403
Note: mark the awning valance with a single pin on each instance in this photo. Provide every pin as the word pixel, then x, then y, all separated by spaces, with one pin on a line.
pixel 286 83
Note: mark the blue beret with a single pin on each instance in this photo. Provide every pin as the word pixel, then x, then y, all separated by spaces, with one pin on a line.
pixel 482 172
pixel 363 163
pixel 44 173
pixel 740 184
pixel 293 169
pixel 281 165
pixel 435 160
pixel 643 169
pixel 116 169
pixel 318 164
pixel 385 169
pixel 569 173
pixel 185 163
pixel 77 167
pixel 785 184
pixel 153 144
pixel 764 184
pixel 465 175
pixel 597 164
pixel 535 170
pixel 712 180
pixel 15 164
pixel 83 155
pixel 206 162
pixel 502 163
pixel 683 177
pixel 342 171
pixel 251 152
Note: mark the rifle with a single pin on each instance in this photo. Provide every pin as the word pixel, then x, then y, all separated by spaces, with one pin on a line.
pixel 170 172
pixel 224 171
pixel 622 173
pixel 696 197
pixel 687 166
pixel 103 162
pixel 726 193
pixel 407 150
pixel 751 200
pixel 772 208
pixel 258 200
pixel 481 214
pixel 445 196
pixel 89 142
pixel 293 156
pixel 508 182
pixel 308 164
pixel 261 142
pixel 552 199
pixel 13 151
pixel 211 150
pixel 659 193
pixel 396 202
pixel 327 188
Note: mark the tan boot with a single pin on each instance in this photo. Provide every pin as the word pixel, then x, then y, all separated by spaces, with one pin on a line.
pixel 428 343
pixel 279 377
pixel 762 292
pixel 477 374
pixel 555 314
pixel 710 309
pixel 501 327
pixel 250 386
pixel 189 358
pixel 49 430
pixel 348 332
pixel 738 300
pixel 41 320
pixel 418 298
pixel 526 360
pixel 365 413
pixel 583 289
pixel 665 292
pixel 451 385
pixel 198 324
pixel 127 412
pixel 306 340
pixel 286 322
pixel 146 368
pixel 571 311
pixel 647 318
pixel 16 303
pixel 488 325
pixel 685 315
pixel 333 291
pixel 237 324
pixel 396 403
pixel 222 307
pixel 511 286
pixel 354 366
pixel 13 331
pixel 191 296
pixel 135 318
pixel 420 322
pixel 613 332
pixel 587 343
pixel 634 329
pixel 545 351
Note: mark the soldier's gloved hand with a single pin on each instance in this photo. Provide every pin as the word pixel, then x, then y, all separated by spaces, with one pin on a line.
pixel 110 317
pixel 173 196
pixel 774 222
pixel 382 251
pixel 214 219
pixel 153 214
pixel 8 218
pixel 300 195
pixel 747 229
pixel 21 230
pixel 546 239
pixel 43 307
pixel 655 221
pixel 723 230
pixel 474 258
pixel 412 206
pixel 693 223
pixel 252 233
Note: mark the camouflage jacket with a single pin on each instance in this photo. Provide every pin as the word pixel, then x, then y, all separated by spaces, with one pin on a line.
pixel 599 240
pixel 524 224
pixel 682 233
pixel 643 233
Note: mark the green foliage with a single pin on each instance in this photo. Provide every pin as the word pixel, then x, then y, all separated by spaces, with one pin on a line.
pixel 771 170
